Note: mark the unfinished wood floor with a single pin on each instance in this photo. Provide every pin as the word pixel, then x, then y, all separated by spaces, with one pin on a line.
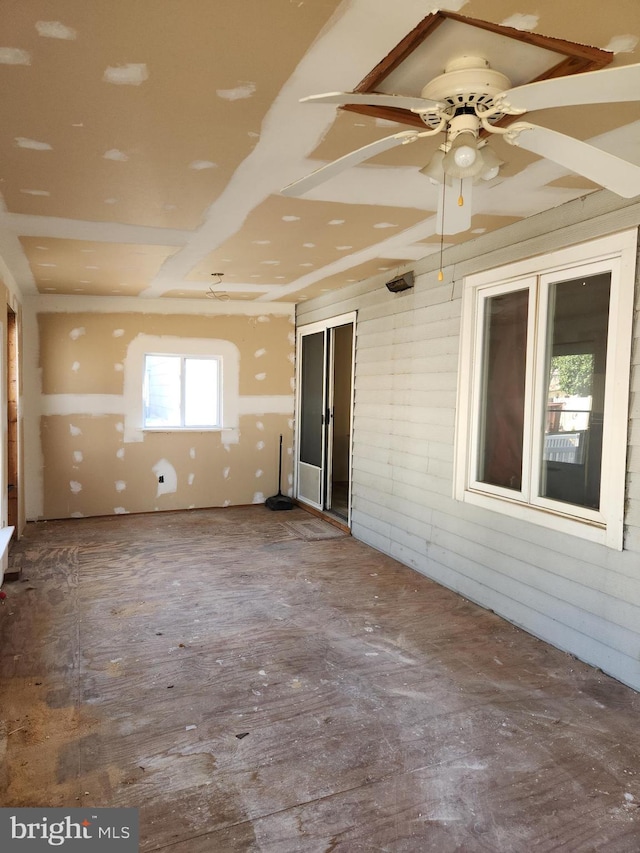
pixel 251 685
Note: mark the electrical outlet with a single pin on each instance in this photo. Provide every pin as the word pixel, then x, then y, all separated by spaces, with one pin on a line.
pixel 161 478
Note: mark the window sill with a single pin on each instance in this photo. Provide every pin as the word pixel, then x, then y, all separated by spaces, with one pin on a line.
pixel 598 532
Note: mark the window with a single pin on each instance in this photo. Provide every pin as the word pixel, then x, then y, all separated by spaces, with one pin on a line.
pixel 181 392
pixel 543 403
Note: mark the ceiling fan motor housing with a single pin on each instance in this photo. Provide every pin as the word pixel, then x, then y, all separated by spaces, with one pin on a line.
pixel 468 81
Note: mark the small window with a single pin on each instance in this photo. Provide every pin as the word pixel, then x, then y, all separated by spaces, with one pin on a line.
pixel 181 392
pixel 544 390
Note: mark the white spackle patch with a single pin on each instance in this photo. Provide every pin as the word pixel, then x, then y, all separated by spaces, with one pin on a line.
pixel 120 510
pixel 336 222
pixel 260 426
pixel 75 366
pixel 75 486
pixel 77 456
pixel 263 318
pixel 271 263
pixel 120 453
pixel 74 334
pixel 119 427
pixel 290 218
pixel 261 376
pixel 77 515
pixel 190 479
pixel 244 90
pixel 192 452
pixel 260 445
pixel 258 498
pixel 118 367
pixel 290 479
pixel 226 472
pixel 226 503
pixel 291 337
pixel 622 44
pixel 120 485
pixel 289 451
pixel 385 225
pixel 346 248
pixel 308 245
pixel 526 23
pixel 292 383
pixel 307 264
pixel 14 56
pixel 199 165
pixel 132 74
pixel 292 357
pixel 55 30
pixel 74 430
pixel 385 122
pixel 111 201
pixel 259 353
pixel 115 154
pixel 261 242
pixel 290 423
pixel 259 473
pixel 164 468
pixel 32 144
pixel 43 193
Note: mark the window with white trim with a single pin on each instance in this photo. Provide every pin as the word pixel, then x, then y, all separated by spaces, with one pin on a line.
pixel 544 384
pixel 181 392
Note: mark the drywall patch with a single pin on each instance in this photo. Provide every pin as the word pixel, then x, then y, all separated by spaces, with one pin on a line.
pixel 191 478
pixel 260 426
pixel 75 486
pixel 55 30
pixel 120 453
pixel 259 353
pixel 118 367
pixel 385 225
pixel 261 376
pixel 77 456
pixel 258 498
pixel 14 56
pixel 518 21
pixel 43 193
pixel 32 144
pixel 74 334
pixel 117 333
pixel 290 218
pixel 77 515
pixel 120 485
pixel 226 472
pixel 622 44
pixel 199 165
pixel 74 430
pixel 192 452
pixel 260 445
pixel 165 470
pixel 120 510
pixel 120 427
pixel 132 74
pixel 336 222
pixel 75 366
pixel 259 473
pixel 244 90
pixel 115 154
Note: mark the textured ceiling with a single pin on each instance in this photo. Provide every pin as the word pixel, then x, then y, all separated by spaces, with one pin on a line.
pixel 143 143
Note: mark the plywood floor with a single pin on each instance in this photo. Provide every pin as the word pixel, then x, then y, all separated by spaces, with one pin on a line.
pixel 258 681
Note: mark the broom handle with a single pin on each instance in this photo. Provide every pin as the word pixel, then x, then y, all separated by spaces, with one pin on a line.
pixel 280 467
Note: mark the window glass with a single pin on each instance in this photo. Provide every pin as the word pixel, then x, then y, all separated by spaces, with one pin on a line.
pixel 162 391
pixel 503 393
pixel 200 391
pixel 181 392
pixel 576 355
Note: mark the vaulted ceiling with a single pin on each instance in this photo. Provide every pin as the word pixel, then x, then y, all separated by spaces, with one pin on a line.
pixel 144 143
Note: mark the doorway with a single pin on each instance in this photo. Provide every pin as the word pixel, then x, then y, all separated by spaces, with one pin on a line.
pixel 325 411
pixel 12 420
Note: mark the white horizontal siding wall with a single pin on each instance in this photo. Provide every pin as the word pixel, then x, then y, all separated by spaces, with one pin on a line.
pixel 580 596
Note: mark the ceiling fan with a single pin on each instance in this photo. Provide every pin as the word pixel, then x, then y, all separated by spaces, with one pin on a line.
pixel 471 97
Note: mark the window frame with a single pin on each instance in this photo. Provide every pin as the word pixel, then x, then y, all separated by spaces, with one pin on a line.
pixel 615 253
pixel 182 427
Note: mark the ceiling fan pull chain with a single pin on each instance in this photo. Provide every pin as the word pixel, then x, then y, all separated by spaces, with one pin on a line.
pixel 461 197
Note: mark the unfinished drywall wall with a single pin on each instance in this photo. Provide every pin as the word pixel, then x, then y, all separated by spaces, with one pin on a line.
pixel 95 457
pixel 579 595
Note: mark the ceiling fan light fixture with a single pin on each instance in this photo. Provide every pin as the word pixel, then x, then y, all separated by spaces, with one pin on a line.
pixel 463 160
pixel 434 170
pixel 490 163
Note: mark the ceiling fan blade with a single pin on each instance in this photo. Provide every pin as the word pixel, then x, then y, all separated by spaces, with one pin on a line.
pixel 453 217
pixel 352 159
pixel 613 173
pixel 609 85
pixel 374 99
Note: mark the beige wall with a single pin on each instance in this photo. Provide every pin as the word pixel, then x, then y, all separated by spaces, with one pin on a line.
pixel 90 461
